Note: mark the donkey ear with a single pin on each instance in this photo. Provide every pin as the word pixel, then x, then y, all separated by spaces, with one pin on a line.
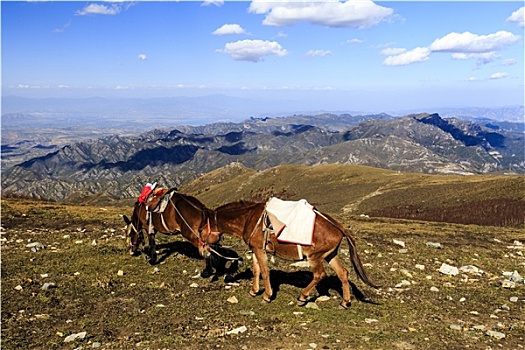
pixel 126 219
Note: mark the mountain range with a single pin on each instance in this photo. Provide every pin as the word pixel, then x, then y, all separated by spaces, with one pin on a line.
pixel 118 166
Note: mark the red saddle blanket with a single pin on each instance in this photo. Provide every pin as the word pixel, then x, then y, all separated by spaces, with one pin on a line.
pixel 146 191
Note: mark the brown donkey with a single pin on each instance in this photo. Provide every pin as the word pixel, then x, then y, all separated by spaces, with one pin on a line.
pixel 183 215
pixel 247 221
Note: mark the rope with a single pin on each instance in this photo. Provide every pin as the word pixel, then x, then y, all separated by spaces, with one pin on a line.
pixel 255 229
pixel 222 256
pixel 182 217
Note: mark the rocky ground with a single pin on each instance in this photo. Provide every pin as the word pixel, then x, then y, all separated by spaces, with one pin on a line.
pixel 68 282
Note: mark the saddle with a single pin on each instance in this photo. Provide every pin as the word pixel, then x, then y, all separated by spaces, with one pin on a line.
pixel 158 200
pixel 292 221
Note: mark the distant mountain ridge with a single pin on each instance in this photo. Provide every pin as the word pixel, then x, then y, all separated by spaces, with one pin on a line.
pixel 120 166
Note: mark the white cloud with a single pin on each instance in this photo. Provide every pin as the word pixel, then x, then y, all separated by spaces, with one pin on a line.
pixel 99 9
pixel 518 17
pixel 472 79
pixel 217 3
pixel 318 53
pixel 392 51
pixel 509 62
pixel 229 29
pixel 330 13
pixel 142 57
pixel 354 41
pixel 468 42
pixel 481 58
pixel 463 46
pixel 253 50
pixel 499 75
pixel 419 54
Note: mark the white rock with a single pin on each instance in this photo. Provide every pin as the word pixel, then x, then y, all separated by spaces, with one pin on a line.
pixel 420 267
pixel 470 269
pixel 35 246
pixel 495 334
pixel 232 300
pixel 448 270
pixel 513 299
pixel 508 284
pixel 238 330
pixel 47 286
pixel 194 285
pixel 516 277
pixel 403 283
pixel 19 288
pixel 120 273
pixel 398 242
pixel 433 245
pixel 75 336
pixel 323 298
pixel 406 273
pixel 312 305
pixel 434 289
pixel 312 345
pixel 370 320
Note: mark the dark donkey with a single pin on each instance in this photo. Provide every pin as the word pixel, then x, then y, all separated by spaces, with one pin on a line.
pixel 246 220
pixel 183 214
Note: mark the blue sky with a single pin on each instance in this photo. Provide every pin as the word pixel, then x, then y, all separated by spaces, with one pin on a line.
pixel 331 55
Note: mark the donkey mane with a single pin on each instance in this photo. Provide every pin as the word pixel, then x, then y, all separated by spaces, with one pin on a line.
pixel 237 205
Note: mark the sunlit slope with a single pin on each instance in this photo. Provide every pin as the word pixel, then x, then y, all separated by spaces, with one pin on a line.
pixel 342 189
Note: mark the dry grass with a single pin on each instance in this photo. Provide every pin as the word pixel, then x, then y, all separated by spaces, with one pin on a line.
pixel 144 309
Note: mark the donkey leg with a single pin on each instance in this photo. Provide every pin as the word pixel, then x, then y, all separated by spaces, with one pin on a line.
pixel 256 275
pixel 316 264
pixel 262 260
pixel 152 248
pixel 342 273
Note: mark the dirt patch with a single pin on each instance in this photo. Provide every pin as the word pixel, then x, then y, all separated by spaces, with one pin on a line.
pixel 83 280
pixel 493 212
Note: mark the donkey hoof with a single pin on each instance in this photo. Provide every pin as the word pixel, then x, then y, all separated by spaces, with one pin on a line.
pixel 205 274
pixel 253 293
pixel 267 299
pixel 301 302
pixel 345 304
pixel 229 278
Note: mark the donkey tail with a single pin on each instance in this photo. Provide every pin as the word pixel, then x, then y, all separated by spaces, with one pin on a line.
pixel 356 261
pixel 354 256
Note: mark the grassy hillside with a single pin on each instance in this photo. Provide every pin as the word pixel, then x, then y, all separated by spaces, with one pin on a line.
pixel 350 190
pixel 82 279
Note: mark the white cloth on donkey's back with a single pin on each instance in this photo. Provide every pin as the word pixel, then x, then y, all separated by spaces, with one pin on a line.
pixel 295 220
